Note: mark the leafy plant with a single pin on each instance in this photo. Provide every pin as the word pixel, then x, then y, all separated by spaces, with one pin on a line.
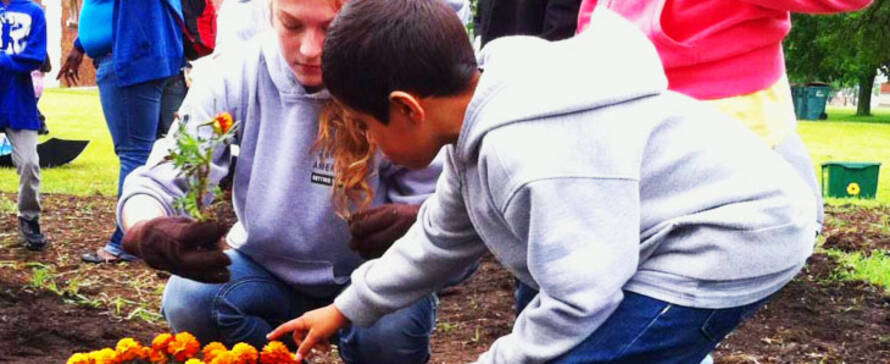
pixel 192 157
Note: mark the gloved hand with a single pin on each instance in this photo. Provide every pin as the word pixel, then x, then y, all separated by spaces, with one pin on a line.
pixel 375 229
pixel 180 246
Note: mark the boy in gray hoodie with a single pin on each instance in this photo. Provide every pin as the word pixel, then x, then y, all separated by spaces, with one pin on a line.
pixel 649 224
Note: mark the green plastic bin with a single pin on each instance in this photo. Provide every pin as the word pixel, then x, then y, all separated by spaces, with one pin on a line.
pixel 816 98
pixel 799 96
pixel 850 179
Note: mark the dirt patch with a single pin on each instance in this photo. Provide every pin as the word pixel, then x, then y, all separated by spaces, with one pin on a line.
pixel 42 328
pixel 851 228
pixel 815 319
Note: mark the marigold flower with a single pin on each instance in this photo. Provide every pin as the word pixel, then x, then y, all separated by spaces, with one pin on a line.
pixel 183 346
pixel 104 356
pixel 246 354
pixel 275 352
pixel 222 123
pixel 128 349
pixel 161 342
pixel 211 350
pixel 225 357
pixel 194 361
pixel 79 358
pixel 157 356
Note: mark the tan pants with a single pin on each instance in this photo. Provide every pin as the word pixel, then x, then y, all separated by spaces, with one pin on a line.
pixel 27 165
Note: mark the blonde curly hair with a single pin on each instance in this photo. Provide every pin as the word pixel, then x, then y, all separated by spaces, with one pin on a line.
pixel 354 156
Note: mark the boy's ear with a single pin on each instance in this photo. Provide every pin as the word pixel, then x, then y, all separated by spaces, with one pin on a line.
pixel 406 104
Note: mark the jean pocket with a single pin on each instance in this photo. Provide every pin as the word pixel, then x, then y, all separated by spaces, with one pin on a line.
pixel 721 322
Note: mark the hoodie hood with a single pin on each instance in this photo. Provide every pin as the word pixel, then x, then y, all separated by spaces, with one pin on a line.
pixel 527 78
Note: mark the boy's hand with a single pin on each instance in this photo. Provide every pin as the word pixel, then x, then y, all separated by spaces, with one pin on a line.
pixel 374 230
pixel 180 246
pixel 69 69
pixel 311 329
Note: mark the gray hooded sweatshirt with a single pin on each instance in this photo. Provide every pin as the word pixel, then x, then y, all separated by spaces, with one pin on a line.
pixel 585 177
pixel 282 188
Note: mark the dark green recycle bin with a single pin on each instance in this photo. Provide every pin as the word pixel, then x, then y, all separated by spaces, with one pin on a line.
pixel 809 101
pixel 850 179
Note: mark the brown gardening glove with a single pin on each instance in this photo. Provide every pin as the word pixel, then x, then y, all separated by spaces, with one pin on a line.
pixel 375 229
pixel 180 246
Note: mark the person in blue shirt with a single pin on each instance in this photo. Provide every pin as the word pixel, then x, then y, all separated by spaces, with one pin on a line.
pixel 22 50
pixel 137 49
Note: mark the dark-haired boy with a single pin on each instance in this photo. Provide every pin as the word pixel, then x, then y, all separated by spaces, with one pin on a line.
pixel 648 230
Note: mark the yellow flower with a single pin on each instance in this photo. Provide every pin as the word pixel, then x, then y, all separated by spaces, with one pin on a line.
pixel 224 357
pixel 222 123
pixel 161 342
pixel 184 346
pixel 194 361
pixel 104 356
pixel 246 354
pixel 128 349
pixel 275 352
pixel 79 358
pixel 853 189
pixel 211 350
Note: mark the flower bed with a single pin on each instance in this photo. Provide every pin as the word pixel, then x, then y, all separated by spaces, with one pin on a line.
pixel 184 348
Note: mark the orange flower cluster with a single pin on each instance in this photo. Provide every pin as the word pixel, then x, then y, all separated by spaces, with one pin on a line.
pixel 184 348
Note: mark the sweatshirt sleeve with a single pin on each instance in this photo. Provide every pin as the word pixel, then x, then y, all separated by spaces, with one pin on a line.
pixel 812 6
pixel 440 245
pixel 33 53
pixel 161 180
pixel 582 247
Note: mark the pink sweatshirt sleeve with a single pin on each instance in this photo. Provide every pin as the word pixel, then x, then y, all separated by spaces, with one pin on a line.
pixel 811 6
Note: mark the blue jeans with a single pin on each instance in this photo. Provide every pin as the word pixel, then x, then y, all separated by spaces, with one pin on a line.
pixel 254 302
pixel 132 114
pixel 645 330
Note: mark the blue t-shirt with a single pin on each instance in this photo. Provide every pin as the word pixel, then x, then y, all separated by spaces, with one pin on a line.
pixel 22 50
pixel 95 27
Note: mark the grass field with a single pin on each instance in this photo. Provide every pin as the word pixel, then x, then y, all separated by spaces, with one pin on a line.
pixel 77 114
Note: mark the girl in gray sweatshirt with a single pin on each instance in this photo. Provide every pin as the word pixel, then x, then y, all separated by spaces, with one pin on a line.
pixel 586 178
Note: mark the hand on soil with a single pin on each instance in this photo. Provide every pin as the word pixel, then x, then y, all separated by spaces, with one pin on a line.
pixel 312 329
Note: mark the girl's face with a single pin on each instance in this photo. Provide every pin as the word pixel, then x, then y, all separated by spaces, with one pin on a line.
pixel 301 26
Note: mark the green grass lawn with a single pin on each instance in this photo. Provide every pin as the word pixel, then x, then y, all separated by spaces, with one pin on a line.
pixel 850 141
pixel 75 114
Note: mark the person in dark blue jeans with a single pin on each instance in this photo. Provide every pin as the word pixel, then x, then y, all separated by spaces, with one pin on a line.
pixel 138 51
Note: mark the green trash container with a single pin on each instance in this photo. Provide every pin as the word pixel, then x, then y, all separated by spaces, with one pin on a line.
pixel 798 97
pixel 850 179
pixel 816 98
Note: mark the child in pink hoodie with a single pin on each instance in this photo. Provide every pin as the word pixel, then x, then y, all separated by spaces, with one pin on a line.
pixel 729 54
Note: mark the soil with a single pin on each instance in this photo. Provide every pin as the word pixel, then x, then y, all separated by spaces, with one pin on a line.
pixel 815 319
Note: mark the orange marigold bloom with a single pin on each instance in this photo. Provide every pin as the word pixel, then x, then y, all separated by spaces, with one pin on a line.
pixel 225 357
pixel 184 346
pixel 79 358
pixel 128 349
pixel 104 356
pixel 194 361
pixel 161 342
pixel 211 350
pixel 157 356
pixel 275 352
pixel 222 123
pixel 246 354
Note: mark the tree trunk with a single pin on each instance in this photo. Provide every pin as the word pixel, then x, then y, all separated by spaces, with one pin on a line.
pixel 865 87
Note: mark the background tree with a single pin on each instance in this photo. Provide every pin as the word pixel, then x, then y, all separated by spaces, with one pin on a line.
pixel 844 49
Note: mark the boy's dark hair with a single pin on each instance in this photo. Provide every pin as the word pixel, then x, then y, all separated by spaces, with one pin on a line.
pixel 375 47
